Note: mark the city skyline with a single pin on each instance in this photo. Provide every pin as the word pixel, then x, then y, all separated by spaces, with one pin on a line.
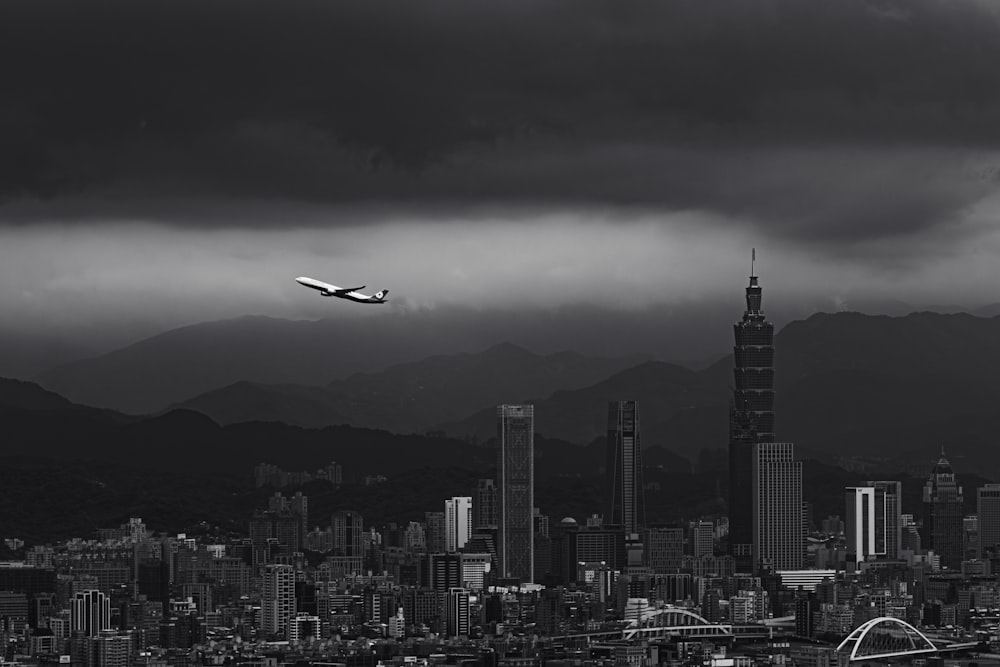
pixel 562 439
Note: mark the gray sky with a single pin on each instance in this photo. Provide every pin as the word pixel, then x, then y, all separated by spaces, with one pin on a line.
pixel 167 162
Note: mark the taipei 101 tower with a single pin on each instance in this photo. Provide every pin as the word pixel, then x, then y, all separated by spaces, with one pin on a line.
pixel 751 417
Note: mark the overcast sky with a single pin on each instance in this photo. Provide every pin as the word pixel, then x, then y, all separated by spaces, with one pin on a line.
pixel 171 161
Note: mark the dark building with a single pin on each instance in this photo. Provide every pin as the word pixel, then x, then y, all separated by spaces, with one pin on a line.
pixel 805 605
pixel 484 505
pixel 751 418
pixel 626 506
pixel 943 514
pixel 516 473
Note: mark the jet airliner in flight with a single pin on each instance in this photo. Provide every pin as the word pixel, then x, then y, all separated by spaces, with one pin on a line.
pixel 350 293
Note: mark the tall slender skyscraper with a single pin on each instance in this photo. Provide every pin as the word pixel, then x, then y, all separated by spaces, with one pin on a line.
pixel 988 511
pixel 751 418
pixel 943 514
pixel 778 534
pixel 626 506
pixel 516 473
pixel 864 506
pixel 890 524
pixel 457 522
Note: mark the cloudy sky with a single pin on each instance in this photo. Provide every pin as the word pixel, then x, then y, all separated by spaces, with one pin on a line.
pixel 172 161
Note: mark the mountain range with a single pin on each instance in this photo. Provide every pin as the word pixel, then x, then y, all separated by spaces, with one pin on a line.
pixel 890 390
pixel 847 385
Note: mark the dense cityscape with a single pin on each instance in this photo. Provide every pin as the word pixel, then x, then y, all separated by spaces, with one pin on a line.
pixel 487 578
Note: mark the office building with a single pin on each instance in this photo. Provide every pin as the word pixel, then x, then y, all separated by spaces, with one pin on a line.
pixel 516 472
pixel 277 599
pixel 484 505
pixel 434 532
pixel 778 534
pixel 988 511
pixel 943 514
pixel 457 607
pixel 457 522
pixel 890 523
pixel 90 613
pixel 701 538
pixel 751 418
pixel 666 549
pixel 626 506
pixel 348 534
pixel 865 523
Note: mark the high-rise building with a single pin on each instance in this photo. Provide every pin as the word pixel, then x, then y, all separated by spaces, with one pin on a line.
pixel 516 472
pixel 751 418
pixel 277 598
pixel 348 533
pixel 457 522
pixel 777 507
pixel 484 505
pixel 702 538
pixel 90 613
pixel 889 524
pixel 434 532
pixel 943 514
pixel 626 506
pixel 988 511
pixel 457 612
pixel 865 533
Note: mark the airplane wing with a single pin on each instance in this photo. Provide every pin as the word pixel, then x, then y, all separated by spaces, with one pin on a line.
pixel 347 290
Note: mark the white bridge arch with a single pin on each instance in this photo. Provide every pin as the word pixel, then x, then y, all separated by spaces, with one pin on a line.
pixel 654 622
pixel 885 637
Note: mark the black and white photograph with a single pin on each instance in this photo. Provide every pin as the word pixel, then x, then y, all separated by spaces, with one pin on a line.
pixel 499 333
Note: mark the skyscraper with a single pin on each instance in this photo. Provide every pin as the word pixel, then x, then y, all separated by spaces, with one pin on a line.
pixel 892 529
pixel 864 506
pixel 626 506
pixel 348 529
pixel 484 505
pixel 457 522
pixel 777 507
pixel 988 511
pixel 751 418
pixel 277 598
pixel 516 493
pixel 90 613
pixel 943 514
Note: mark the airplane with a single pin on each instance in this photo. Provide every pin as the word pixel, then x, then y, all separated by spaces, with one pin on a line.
pixel 350 293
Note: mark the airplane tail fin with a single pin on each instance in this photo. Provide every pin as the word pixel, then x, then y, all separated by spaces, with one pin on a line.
pixel 381 294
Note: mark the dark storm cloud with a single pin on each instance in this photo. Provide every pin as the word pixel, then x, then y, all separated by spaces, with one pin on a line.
pixel 842 119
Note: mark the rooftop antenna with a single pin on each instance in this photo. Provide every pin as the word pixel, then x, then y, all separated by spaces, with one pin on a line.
pixel 753 259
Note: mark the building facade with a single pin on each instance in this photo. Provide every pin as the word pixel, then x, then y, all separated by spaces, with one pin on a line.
pixel 516 493
pixel 988 511
pixel 457 522
pixel 943 514
pixel 751 418
pixel 626 504
pixel 778 536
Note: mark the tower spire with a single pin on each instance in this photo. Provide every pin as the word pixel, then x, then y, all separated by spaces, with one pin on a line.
pixel 753 260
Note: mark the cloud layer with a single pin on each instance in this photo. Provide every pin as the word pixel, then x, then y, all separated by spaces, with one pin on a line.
pixel 826 121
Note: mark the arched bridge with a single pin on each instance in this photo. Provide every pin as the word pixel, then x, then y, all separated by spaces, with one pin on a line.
pixel 664 621
pixel 885 637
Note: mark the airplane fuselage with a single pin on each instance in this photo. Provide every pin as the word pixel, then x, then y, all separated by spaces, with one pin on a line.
pixel 349 293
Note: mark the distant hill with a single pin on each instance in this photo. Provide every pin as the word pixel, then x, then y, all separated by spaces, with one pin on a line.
pixel 158 372
pixel 847 384
pixel 415 396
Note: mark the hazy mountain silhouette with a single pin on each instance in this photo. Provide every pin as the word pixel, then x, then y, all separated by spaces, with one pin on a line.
pixel 412 397
pixel 846 384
